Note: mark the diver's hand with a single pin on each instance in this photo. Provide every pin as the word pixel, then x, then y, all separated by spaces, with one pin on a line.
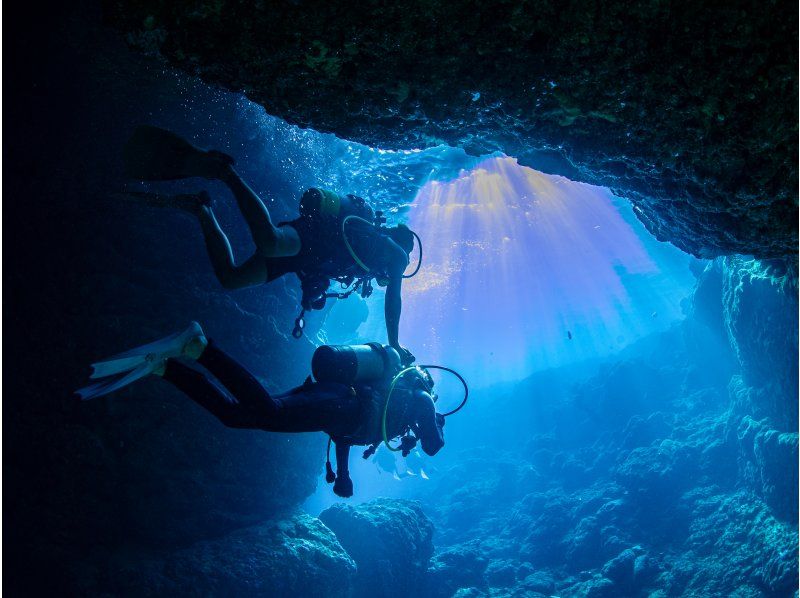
pixel 343 486
pixel 440 420
pixel 406 356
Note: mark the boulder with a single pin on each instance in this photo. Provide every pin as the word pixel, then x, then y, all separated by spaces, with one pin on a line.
pixel 297 556
pixel 390 541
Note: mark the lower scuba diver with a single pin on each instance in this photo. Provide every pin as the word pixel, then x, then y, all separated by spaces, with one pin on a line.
pixel 360 394
pixel 336 237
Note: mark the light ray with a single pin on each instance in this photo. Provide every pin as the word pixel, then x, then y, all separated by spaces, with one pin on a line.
pixel 516 261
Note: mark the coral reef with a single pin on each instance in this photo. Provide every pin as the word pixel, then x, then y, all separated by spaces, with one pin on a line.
pixel 701 137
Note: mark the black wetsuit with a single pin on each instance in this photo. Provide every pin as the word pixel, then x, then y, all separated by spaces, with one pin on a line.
pixel 348 414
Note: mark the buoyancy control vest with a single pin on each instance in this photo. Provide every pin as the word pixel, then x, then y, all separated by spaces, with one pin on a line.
pixel 326 212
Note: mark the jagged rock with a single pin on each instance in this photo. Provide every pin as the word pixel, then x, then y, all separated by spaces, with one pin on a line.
pixel 459 566
pixel 737 542
pixel 645 570
pixel 643 431
pixel 767 464
pixel 298 556
pixel 759 308
pixel 501 573
pixel 541 582
pixel 659 472
pixel 620 569
pixel 390 541
pixel 698 136
pixel 594 587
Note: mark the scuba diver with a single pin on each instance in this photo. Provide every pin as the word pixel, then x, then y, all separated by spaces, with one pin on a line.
pixel 335 237
pixel 360 394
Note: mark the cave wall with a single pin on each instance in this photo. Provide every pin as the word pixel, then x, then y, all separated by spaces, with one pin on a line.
pixel 687 109
pixel 87 276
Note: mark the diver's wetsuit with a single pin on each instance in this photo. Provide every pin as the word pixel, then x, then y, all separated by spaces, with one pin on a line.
pixel 347 414
pixel 314 407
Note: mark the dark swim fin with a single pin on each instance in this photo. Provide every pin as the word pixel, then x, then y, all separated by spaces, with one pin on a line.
pixel 155 154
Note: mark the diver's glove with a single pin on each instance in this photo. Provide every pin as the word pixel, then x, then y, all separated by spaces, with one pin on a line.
pixel 439 420
pixel 343 486
pixel 407 444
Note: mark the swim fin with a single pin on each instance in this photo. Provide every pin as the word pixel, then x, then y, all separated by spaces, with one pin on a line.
pixel 137 363
pixel 104 387
pixel 155 154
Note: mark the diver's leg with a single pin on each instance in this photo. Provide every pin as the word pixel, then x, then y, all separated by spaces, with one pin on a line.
pixel 205 393
pixel 270 240
pixel 231 276
pixel 312 407
pixel 243 385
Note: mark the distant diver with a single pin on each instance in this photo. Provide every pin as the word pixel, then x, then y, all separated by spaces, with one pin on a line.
pixel 335 237
pixel 360 394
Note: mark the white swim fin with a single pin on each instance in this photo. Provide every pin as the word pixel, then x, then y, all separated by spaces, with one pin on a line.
pixel 169 346
pixel 98 389
pixel 127 367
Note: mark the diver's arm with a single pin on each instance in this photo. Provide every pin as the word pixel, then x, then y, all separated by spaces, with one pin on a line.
pixel 397 262
pixel 430 423
pixel 343 486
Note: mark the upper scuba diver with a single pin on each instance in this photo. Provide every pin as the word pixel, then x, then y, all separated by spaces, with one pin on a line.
pixel 360 394
pixel 335 237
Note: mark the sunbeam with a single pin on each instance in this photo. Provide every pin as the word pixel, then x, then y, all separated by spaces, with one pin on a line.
pixel 524 271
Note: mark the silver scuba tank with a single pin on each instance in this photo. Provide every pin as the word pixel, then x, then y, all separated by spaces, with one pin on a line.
pixel 349 364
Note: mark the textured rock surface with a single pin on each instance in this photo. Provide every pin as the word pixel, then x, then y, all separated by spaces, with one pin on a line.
pixel 297 556
pixel 760 313
pixel 675 482
pixel 390 541
pixel 686 108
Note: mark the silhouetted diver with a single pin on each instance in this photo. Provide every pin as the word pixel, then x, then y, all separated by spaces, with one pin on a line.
pixel 349 401
pixel 335 237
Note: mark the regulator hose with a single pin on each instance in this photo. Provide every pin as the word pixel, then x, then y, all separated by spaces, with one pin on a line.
pixel 360 262
pixel 396 379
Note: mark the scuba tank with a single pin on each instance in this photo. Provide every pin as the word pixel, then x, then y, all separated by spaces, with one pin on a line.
pixel 349 364
pixel 321 203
